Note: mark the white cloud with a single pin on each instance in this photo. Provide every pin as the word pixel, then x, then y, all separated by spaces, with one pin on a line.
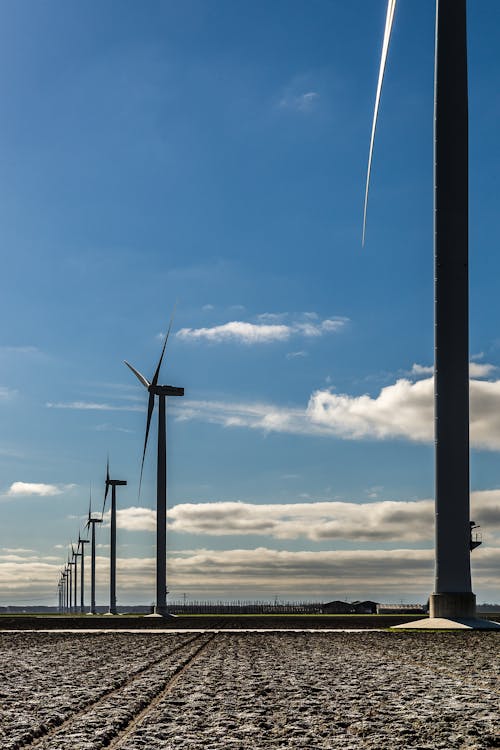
pixel 389 520
pixel 259 416
pixel 134 518
pixel 264 332
pixel 382 520
pixel 6 393
pixel 295 355
pixel 19 350
pixel 17 550
pixel 108 427
pixel 90 406
pixel 272 317
pixel 378 574
pixel 248 333
pixel 418 370
pixel 31 352
pixel 303 102
pixel 403 410
pixel 208 308
pixel 21 489
pixel 374 492
pixel 477 370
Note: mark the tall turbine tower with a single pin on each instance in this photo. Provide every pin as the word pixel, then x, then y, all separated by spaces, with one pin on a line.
pixel 452 604
pixel 66 589
pixel 162 391
pixel 91 521
pixel 113 483
pixel 76 555
pixel 62 589
pixel 70 586
pixel 81 543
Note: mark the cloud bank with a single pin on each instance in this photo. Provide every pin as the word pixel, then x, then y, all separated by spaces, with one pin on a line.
pixel 264 332
pixel 317 521
pixel 403 410
pixel 390 521
pixel 262 572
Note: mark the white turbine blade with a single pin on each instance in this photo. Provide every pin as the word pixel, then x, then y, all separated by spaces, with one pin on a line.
pixel 138 375
pixel 391 7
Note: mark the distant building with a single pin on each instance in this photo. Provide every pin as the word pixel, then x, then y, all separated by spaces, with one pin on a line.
pixel 336 608
pixel 364 608
pixel 401 609
pixel 349 608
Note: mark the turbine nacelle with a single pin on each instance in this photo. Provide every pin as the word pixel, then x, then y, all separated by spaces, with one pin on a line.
pixel 166 390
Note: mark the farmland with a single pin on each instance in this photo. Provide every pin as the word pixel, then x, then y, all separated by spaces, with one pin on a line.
pixel 217 690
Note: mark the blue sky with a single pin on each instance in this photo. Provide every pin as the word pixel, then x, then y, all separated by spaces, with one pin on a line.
pixel 215 154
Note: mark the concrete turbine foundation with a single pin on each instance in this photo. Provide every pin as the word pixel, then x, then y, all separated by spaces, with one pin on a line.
pixel 452 611
pixel 444 623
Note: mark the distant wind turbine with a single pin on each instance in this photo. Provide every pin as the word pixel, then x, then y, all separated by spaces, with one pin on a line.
pixel 452 599
pixel 162 391
pixel 60 588
pixel 66 589
pixel 71 563
pixel 81 543
pixel 113 483
pixel 76 554
pixel 91 521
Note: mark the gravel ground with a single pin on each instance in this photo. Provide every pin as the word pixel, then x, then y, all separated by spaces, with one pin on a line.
pixel 320 691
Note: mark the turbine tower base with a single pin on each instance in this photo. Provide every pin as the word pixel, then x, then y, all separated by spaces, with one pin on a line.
pixel 160 612
pixel 452 611
pixel 453 605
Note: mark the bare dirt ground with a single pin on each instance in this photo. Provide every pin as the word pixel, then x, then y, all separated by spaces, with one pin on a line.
pixel 250 691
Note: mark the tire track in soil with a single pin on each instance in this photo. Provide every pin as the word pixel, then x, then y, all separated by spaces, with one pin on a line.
pixel 46 732
pixel 128 730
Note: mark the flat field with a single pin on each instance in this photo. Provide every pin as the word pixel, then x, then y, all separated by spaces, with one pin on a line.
pixel 217 691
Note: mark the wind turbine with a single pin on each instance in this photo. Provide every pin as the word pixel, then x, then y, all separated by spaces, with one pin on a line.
pixel 91 521
pixel 113 483
pixel 162 391
pixel 62 590
pixel 81 543
pixel 66 587
pixel 76 555
pixel 60 593
pixel 70 586
pixel 452 600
